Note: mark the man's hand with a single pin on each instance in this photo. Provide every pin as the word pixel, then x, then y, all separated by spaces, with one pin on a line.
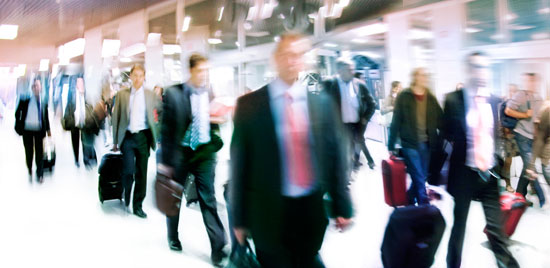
pixel 49 133
pixel 342 223
pixel 217 120
pixel 241 234
pixel 165 170
pixel 531 175
pixel 529 113
pixel 115 148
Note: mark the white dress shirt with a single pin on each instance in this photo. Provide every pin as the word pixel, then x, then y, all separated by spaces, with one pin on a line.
pixel 349 102
pixel 137 110
pixel 473 111
pixel 79 112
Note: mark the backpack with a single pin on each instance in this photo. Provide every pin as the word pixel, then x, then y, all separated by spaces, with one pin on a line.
pixel 505 120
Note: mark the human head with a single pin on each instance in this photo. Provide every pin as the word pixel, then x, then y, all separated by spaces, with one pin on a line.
pixel 530 81
pixel 459 86
pixel 477 64
pixel 512 89
pixel 198 69
pixel 80 85
pixel 345 69
pixel 289 56
pixel 419 78
pixel 137 75
pixel 36 86
pixel 395 87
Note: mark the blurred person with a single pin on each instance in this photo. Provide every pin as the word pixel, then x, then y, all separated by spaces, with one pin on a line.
pixel 32 122
pixel 510 147
pixel 135 133
pixel 389 101
pixel 470 121
pixel 459 86
pixel 524 106
pixel 541 145
pixel 417 122
pixel 75 115
pixel 159 91
pixel 355 107
pixel 287 151
pixel 190 140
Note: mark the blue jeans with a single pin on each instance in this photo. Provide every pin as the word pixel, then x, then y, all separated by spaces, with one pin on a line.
pixel 417 161
pixel 525 146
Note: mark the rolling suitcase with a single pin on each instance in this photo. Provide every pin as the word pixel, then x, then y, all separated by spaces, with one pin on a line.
pixel 513 205
pixel 412 237
pixel 395 181
pixel 110 177
pixel 49 154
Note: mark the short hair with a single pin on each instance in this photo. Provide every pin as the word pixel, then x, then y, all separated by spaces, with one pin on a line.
pixel 394 84
pixel 341 63
pixel 286 37
pixel 137 67
pixel 532 75
pixel 195 59
pixel 474 54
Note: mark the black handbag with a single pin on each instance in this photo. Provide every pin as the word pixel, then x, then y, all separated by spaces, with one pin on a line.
pixel 243 257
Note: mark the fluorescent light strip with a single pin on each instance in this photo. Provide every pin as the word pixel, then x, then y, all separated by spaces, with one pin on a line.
pixel 186 23
pixel 8 32
pixel 221 14
pixel 214 41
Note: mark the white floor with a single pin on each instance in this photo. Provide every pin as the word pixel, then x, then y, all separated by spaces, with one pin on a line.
pixel 61 223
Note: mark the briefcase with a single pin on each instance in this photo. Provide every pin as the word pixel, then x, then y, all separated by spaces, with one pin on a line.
pixel 168 194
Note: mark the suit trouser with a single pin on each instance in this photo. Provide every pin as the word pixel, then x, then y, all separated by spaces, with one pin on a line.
pixel 88 152
pixel 75 138
pixel 303 229
pixel 32 140
pixel 488 194
pixel 135 155
pixel 525 146
pixel 204 171
pixel 357 138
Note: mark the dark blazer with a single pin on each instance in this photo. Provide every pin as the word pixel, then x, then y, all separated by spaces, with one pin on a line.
pixel 367 104
pixel 176 119
pixel 454 130
pixel 21 116
pixel 403 124
pixel 256 175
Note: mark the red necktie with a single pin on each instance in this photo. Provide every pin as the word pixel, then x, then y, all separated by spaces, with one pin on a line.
pixel 298 158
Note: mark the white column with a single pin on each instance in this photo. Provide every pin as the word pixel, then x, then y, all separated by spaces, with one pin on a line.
pixel 398 48
pixel 154 66
pixel 93 64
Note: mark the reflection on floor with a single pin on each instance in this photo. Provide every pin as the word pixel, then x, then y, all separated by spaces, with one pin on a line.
pixel 61 223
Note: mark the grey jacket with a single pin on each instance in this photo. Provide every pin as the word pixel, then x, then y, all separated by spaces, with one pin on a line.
pixel 120 118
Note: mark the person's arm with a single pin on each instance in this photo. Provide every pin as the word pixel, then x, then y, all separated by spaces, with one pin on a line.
pixel 516 114
pixel 512 106
pixel 387 107
pixel 370 102
pixel 541 134
pixel 115 120
pixel 168 128
pixel 395 122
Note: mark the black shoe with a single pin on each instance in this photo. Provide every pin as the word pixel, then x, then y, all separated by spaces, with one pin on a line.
pixel 218 258
pixel 77 164
pixel 40 179
pixel 174 244
pixel 371 165
pixel 529 203
pixel 140 213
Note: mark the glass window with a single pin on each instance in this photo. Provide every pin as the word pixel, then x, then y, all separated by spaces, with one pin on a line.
pixel 528 20
pixel 481 25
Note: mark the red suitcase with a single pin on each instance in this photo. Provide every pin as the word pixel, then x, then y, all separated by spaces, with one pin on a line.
pixel 513 205
pixel 394 175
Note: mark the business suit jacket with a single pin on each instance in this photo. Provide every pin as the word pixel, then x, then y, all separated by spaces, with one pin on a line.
pixel 21 116
pixel 176 119
pixel 454 130
pixel 256 174
pixel 367 104
pixel 120 118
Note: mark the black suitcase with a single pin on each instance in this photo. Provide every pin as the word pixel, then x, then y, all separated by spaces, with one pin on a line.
pixel 412 237
pixel 110 177
pixel 49 154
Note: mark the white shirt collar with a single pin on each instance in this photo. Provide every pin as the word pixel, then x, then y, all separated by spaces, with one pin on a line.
pixel 278 88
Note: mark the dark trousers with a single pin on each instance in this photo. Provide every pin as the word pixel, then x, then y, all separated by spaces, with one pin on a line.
pixel 203 168
pixel 304 224
pixel 88 151
pixel 32 140
pixel 135 155
pixel 525 146
pixel 357 138
pixel 488 194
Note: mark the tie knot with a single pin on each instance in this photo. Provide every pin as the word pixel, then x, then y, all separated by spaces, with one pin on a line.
pixel 288 97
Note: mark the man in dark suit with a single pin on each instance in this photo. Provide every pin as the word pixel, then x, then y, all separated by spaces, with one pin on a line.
pixel 135 132
pixel 287 151
pixel 470 123
pixel 355 107
pixel 31 122
pixel 190 140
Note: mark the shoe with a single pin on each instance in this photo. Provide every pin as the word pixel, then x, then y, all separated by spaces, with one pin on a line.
pixel 40 179
pixel 140 213
pixel 218 258
pixel 77 164
pixel 510 189
pixel 174 244
pixel 371 165
pixel 529 203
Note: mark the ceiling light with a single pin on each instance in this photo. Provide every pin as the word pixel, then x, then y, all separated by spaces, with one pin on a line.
pixel 44 65
pixel 282 16
pixel 214 41
pixel 258 34
pixel 330 45
pixel 312 15
pixel 125 59
pixel 472 30
pixel 343 3
pixel 237 44
pixel 337 11
pixel 517 27
pixel 221 14
pixel 133 50
pixel 359 41
pixel 8 32
pixel 186 22
pixel 277 38
pixel 372 29
pixel 111 48
pixel 545 10
pixel 511 16
pixel 171 49
pixel 252 13
pixel 20 70
pixel 74 48
pixel 247 26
